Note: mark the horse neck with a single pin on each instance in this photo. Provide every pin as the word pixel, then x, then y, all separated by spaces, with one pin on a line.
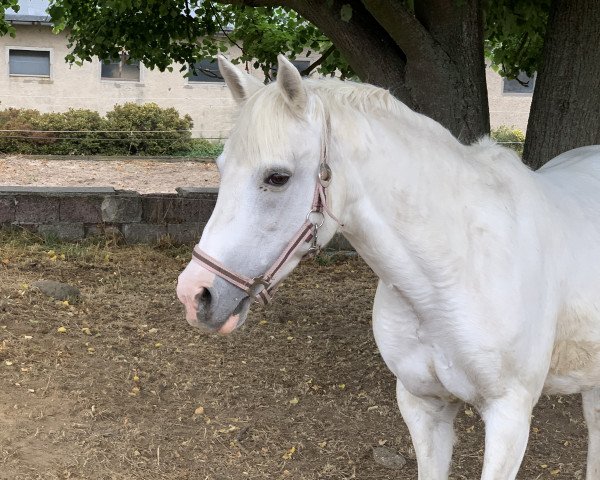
pixel 401 196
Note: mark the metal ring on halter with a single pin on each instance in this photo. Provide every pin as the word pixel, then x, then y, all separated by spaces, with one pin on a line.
pixel 316 224
pixel 255 288
pixel 324 174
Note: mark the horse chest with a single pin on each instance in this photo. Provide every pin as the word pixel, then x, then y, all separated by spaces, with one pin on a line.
pixel 423 368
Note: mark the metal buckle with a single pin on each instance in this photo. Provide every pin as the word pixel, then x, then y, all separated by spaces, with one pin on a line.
pixel 324 174
pixel 255 288
pixel 314 246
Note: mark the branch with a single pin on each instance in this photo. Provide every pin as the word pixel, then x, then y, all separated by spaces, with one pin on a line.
pixel 373 54
pixel 216 15
pixel 410 35
pixel 318 62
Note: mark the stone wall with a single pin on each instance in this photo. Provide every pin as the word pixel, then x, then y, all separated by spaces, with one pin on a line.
pixel 74 213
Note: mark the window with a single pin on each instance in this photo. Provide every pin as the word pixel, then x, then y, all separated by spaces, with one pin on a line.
pixel 34 63
pixel 300 65
pixel 121 69
pixel 523 84
pixel 205 71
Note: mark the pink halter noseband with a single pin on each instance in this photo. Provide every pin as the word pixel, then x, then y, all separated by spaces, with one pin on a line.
pixel 261 288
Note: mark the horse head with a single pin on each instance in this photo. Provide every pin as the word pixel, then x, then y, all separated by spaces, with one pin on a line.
pixel 271 209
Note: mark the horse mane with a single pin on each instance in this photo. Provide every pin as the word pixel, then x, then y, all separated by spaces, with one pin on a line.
pixel 266 111
pixel 371 100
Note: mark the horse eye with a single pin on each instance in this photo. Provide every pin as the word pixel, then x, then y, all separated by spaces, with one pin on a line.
pixel 277 179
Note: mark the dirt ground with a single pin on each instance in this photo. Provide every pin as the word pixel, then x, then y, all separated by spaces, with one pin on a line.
pixel 139 174
pixel 118 386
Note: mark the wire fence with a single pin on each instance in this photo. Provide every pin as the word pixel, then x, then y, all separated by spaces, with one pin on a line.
pixel 40 134
pixel 103 135
pixel 158 142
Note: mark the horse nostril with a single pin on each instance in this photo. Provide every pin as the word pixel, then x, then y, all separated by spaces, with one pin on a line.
pixel 205 298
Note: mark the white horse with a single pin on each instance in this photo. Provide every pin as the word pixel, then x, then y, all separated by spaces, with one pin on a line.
pixel 489 273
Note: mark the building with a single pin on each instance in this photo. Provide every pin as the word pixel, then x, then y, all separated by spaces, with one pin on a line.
pixel 509 100
pixel 35 75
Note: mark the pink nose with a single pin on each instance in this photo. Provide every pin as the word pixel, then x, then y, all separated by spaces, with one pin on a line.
pixel 192 288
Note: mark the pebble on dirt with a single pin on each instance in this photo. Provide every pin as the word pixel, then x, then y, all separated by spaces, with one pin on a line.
pixel 386 457
pixel 58 290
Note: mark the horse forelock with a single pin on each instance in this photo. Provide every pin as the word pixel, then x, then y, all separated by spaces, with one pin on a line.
pixel 260 130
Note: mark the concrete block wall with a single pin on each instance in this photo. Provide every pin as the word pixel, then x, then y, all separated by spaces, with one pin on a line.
pixel 73 213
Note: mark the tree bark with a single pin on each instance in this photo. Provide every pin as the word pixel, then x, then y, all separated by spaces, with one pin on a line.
pixel 565 112
pixel 456 67
pixel 365 45
pixel 444 62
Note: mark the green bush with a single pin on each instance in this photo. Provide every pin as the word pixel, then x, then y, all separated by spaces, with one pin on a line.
pixel 19 141
pixel 145 126
pixel 74 132
pixel 510 137
pixel 128 129
pixel 201 147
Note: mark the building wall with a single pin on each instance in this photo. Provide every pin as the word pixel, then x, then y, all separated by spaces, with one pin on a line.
pixel 510 109
pixel 209 104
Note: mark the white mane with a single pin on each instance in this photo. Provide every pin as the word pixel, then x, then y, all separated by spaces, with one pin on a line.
pixel 260 127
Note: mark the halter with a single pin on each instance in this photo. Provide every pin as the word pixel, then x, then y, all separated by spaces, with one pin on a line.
pixel 262 288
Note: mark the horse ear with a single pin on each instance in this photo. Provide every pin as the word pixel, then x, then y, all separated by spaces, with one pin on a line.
pixel 290 83
pixel 242 85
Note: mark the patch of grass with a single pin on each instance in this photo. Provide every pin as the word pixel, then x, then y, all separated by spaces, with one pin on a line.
pixel 203 148
pixel 18 243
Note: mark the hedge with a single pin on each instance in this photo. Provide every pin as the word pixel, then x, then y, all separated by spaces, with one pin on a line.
pixel 510 137
pixel 128 129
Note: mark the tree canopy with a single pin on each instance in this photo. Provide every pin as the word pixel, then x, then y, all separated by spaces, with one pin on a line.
pixel 161 33
pixel 5 27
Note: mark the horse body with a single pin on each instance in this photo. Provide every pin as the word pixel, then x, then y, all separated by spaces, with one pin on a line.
pixel 572 184
pixel 489 280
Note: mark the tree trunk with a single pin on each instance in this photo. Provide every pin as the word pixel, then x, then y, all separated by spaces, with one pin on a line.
pixel 449 84
pixel 445 68
pixel 431 60
pixel 365 45
pixel 565 112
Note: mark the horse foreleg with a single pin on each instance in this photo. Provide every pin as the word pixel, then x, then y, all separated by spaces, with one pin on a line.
pixel 507 422
pixel 430 422
pixel 591 413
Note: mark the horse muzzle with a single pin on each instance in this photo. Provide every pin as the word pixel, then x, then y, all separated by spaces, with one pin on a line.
pixel 209 303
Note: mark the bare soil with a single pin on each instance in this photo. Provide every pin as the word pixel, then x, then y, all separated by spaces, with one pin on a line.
pixel 139 174
pixel 118 386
